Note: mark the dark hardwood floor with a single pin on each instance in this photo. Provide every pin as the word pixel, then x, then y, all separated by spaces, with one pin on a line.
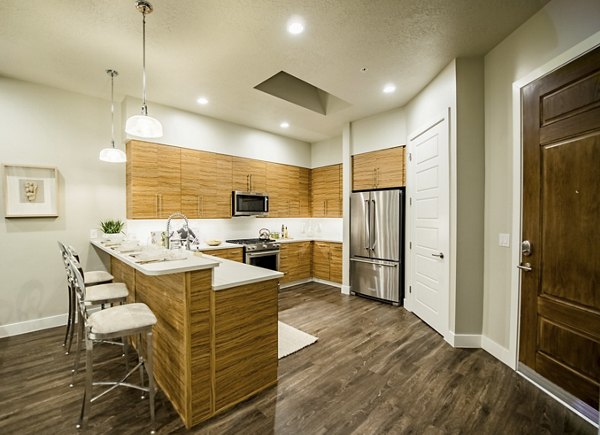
pixel 376 369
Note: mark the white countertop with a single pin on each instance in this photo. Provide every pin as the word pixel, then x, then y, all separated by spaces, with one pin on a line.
pixel 226 273
pixel 233 273
pixel 224 245
pixel 308 239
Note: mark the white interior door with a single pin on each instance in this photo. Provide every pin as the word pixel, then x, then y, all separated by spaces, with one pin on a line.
pixel 429 224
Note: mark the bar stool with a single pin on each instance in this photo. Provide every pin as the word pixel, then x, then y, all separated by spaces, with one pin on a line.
pixel 105 292
pixel 124 321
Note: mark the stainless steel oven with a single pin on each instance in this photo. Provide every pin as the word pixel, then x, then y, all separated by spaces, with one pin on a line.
pixel 260 252
pixel 266 259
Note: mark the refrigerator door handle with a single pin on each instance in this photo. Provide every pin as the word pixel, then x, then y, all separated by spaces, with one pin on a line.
pixel 373 228
pixel 375 262
pixel 367 232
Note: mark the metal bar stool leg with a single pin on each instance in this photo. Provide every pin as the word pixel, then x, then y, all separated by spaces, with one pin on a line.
pixel 149 370
pixel 73 317
pixel 87 395
pixel 69 317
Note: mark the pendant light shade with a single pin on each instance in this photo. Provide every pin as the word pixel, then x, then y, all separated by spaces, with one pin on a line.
pixel 112 154
pixel 143 125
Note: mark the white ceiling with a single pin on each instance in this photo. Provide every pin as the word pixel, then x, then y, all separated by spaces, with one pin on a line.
pixel 221 49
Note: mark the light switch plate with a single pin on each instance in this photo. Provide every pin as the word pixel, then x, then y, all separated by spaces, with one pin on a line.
pixel 94 234
pixel 504 240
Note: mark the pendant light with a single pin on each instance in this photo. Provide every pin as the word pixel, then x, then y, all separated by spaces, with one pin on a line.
pixel 143 125
pixel 112 154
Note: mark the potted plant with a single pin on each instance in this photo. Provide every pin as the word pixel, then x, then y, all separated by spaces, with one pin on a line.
pixel 112 229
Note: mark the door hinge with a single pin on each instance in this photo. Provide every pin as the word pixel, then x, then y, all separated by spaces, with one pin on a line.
pixel 410 289
pixel 410 201
pixel 410 157
pixel 409 245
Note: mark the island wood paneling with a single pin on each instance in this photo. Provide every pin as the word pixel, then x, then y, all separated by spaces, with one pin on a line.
pixel 245 341
pixel 235 254
pixel 166 296
pixel 123 273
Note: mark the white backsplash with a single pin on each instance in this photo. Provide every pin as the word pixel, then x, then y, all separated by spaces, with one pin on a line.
pixel 242 227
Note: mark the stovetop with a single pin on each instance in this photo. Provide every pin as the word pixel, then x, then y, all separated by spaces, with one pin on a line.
pixel 250 241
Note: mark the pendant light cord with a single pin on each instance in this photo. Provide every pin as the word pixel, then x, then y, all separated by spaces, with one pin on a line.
pixel 144 107
pixel 112 106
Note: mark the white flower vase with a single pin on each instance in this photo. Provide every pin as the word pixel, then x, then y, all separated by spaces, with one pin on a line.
pixel 118 237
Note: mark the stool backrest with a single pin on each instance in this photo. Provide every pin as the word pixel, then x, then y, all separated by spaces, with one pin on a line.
pixel 76 278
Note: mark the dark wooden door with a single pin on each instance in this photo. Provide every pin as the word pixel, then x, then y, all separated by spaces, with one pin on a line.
pixel 560 295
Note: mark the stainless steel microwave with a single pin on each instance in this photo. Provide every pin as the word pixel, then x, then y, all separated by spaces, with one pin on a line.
pixel 249 204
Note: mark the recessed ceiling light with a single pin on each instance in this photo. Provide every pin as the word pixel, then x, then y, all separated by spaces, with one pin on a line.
pixel 202 100
pixel 284 124
pixel 295 26
pixel 389 88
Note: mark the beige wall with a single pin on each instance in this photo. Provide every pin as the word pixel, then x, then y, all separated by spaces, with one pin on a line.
pixel 558 26
pixel 470 176
pixel 326 152
pixel 384 130
pixel 50 127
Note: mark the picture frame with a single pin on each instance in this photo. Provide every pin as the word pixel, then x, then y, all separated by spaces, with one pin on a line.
pixel 30 191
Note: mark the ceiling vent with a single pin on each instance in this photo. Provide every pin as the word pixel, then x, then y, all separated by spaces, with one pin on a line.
pixel 292 89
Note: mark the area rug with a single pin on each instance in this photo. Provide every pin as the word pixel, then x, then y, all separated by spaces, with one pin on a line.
pixel 292 340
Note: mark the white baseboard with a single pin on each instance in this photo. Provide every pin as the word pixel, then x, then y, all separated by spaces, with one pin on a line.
pixel 464 340
pixel 32 325
pixel 345 289
pixel 331 283
pixel 498 351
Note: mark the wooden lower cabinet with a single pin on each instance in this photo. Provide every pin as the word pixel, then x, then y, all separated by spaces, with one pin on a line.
pixel 295 261
pixel 327 261
pixel 235 254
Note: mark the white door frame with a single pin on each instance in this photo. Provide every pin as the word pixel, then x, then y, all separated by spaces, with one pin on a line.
pixel 567 56
pixel 410 176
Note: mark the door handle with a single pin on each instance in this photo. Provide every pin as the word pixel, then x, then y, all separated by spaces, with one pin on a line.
pixel 440 255
pixel 375 262
pixel 525 267
pixel 367 233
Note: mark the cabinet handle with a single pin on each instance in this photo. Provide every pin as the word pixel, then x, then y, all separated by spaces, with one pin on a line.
pixel 377 172
pixel 251 184
pixel 247 183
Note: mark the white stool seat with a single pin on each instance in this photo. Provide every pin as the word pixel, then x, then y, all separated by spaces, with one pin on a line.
pixel 121 318
pixel 94 277
pixel 105 293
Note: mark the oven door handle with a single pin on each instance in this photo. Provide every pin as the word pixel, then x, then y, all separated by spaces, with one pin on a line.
pixel 261 254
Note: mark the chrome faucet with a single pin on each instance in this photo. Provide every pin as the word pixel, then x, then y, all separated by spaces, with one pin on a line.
pixel 186 227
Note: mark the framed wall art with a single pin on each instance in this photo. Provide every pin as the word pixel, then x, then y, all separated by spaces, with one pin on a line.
pixel 30 191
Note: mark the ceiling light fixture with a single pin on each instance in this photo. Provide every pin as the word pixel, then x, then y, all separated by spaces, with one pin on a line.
pixel 202 100
pixel 295 26
pixel 144 125
pixel 112 154
pixel 389 88
pixel 284 124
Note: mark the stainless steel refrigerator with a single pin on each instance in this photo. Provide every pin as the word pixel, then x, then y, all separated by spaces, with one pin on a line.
pixel 377 244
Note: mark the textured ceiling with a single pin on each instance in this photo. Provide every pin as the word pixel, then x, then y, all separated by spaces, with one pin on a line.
pixel 221 49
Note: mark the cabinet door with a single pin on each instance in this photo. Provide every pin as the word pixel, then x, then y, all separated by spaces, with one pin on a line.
pixel 223 179
pixel 169 180
pixel 333 195
pixel 304 260
pixel 285 262
pixel 363 171
pixel 191 180
pixel 249 175
pixel 318 192
pixel 303 192
pixel 278 188
pixel 390 168
pixel 321 260
pixel 142 180
pixel 335 264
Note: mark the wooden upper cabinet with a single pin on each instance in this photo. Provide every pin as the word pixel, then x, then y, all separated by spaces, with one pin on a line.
pixel 379 169
pixel 326 191
pixel 288 190
pixel 153 180
pixel 205 184
pixel 249 175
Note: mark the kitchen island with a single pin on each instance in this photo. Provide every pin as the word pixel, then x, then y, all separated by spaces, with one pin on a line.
pixel 215 341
